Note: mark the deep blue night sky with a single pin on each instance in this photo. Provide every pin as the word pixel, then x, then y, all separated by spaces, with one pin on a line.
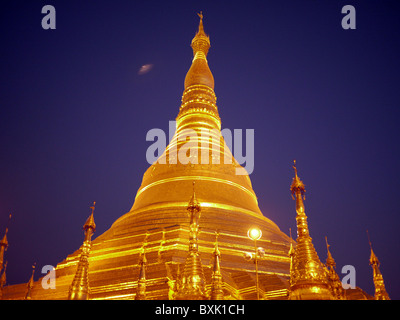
pixel 75 113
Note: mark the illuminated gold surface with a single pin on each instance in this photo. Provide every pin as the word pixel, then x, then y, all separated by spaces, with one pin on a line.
pixel 159 215
pixel 217 292
pixel 192 283
pixel 308 276
pixel 141 287
pixel 156 251
pixel 333 278
pixel 380 290
pixel 80 289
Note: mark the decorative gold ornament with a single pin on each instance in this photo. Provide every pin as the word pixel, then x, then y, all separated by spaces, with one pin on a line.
pixel 30 284
pixel 79 289
pixel 380 289
pixel 217 292
pixel 308 277
pixel 193 282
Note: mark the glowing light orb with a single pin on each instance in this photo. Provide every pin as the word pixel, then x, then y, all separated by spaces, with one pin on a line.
pixel 254 234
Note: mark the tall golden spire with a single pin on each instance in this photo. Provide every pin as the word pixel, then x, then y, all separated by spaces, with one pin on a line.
pixel 198 99
pixel 193 283
pixel 141 288
pixel 217 293
pixel 380 290
pixel 79 289
pixel 200 42
pixel 308 277
pixel 29 286
pixel 334 280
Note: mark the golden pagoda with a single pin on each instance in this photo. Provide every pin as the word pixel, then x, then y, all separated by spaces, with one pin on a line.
pixel 380 289
pixel 79 289
pixel 333 278
pixel 175 240
pixel 308 276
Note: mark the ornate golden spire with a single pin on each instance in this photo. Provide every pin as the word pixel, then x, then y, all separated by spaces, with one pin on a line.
pixel 201 42
pixel 198 96
pixel 141 288
pixel 193 283
pixel 308 277
pixel 30 284
pixel 194 205
pixel 380 290
pixel 334 280
pixel 217 293
pixel 79 289
pixel 330 262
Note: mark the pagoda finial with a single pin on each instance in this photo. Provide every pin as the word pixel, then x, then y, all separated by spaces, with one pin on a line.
pixel 297 184
pixel 330 262
pixel 89 224
pixel 294 167
pixel 373 260
pixel 79 289
pixel 30 284
pixel 200 31
pixel 201 41
pixel 380 289
pixel 141 288
pixel 199 102
pixel 194 205
pixel 333 277
pixel 193 282
pixel 369 240
pixel 217 292
pixel 307 272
